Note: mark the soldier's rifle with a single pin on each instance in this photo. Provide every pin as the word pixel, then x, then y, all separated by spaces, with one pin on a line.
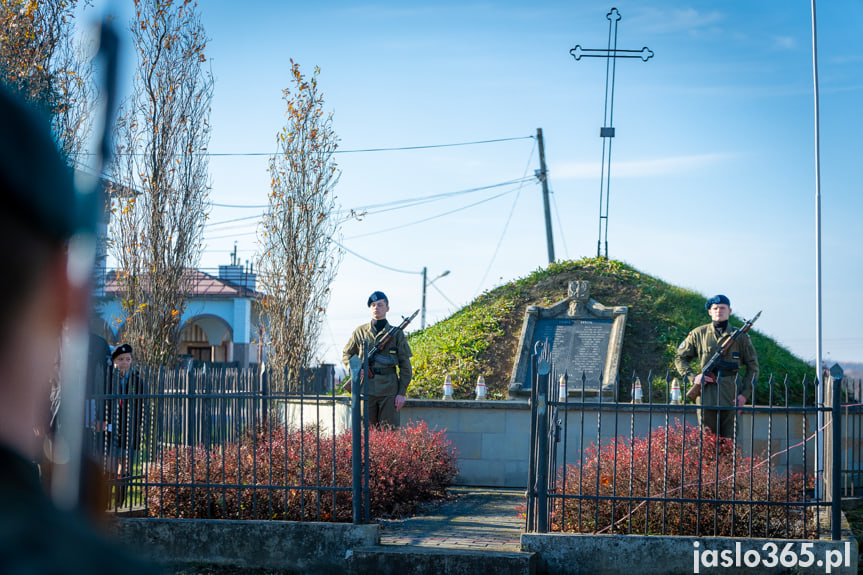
pixel 68 481
pixel 385 341
pixel 714 364
pixel 381 345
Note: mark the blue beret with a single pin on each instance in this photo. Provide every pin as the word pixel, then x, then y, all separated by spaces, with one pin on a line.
pixel 35 181
pixel 717 299
pixel 378 295
pixel 121 349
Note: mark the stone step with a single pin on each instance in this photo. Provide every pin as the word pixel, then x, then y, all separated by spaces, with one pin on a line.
pixel 416 560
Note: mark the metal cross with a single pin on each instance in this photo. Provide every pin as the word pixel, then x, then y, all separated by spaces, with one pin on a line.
pixel 606 132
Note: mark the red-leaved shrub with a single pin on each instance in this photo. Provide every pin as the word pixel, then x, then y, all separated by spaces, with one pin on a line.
pixel 292 474
pixel 664 481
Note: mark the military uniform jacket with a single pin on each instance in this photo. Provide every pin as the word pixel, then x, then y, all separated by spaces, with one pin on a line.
pixel 126 412
pixel 702 342
pixel 392 367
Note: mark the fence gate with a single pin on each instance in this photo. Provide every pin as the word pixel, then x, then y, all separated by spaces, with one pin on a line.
pixel 649 467
pixel 545 426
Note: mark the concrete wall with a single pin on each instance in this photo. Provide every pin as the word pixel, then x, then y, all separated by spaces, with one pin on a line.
pixel 327 415
pixel 567 554
pixel 283 545
pixel 493 437
pixel 329 547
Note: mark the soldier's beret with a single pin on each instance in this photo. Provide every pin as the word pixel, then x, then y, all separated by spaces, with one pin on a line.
pixel 717 299
pixel 378 295
pixel 121 349
pixel 36 184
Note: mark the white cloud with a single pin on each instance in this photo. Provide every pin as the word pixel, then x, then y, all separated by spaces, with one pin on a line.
pixel 639 168
pixel 784 43
pixel 688 19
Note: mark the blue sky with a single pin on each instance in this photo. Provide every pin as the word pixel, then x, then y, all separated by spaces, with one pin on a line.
pixel 713 170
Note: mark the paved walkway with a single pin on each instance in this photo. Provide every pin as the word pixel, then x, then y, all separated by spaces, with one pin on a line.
pixel 482 519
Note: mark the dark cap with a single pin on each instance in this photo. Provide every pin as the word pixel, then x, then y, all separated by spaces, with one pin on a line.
pixel 36 185
pixel 121 349
pixel 717 299
pixel 378 295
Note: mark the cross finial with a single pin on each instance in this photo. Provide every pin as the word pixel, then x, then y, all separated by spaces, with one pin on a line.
pixel 611 53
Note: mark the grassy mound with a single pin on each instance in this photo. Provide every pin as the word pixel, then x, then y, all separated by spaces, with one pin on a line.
pixel 481 339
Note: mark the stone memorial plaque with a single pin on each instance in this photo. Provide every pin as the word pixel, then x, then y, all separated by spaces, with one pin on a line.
pixel 576 346
pixel 581 336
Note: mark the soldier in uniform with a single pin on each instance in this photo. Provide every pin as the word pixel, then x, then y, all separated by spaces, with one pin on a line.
pixel 702 343
pixel 39 212
pixel 126 421
pixel 386 391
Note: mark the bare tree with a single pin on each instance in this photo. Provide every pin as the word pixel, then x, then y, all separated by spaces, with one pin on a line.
pixel 41 61
pixel 298 258
pixel 162 135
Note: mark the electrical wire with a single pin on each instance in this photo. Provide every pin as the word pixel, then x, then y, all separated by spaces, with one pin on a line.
pixel 559 224
pixel 437 289
pixel 209 225
pixel 434 145
pixel 418 201
pixel 231 236
pixel 365 259
pixel 415 222
pixel 508 220
pixel 407 203
pixel 361 150
pixel 235 206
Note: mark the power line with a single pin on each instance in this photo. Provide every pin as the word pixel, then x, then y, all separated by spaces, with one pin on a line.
pixel 365 259
pixel 434 145
pixel 559 224
pixel 407 202
pixel 357 151
pixel 231 221
pixel 416 201
pixel 408 224
pixel 231 236
pixel 508 220
pixel 437 289
pixel 392 269
pixel 236 206
pixel 413 202
pixel 423 220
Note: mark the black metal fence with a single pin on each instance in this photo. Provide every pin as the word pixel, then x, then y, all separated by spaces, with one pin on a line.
pixel 225 443
pixel 852 445
pixel 222 443
pixel 649 468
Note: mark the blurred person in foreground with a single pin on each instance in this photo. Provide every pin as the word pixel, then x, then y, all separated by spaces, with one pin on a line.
pixel 38 214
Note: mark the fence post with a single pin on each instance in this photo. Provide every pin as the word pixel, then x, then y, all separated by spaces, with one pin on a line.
pixel 542 379
pixel 530 519
pixel 262 408
pixel 356 442
pixel 367 486
pixel 189 408
pixel 836 374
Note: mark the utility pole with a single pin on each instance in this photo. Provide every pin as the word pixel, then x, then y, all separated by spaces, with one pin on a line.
pixel 542 175
pixel 425 284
